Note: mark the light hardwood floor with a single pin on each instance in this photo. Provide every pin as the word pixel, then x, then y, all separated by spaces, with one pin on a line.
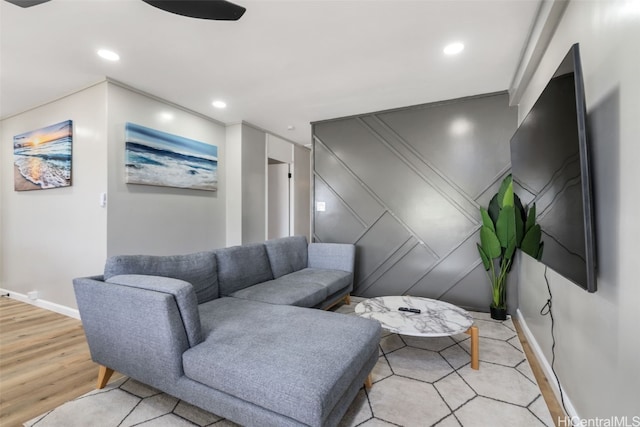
pixel 45 361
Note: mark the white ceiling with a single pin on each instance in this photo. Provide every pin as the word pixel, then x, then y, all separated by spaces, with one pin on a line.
pixel 284 63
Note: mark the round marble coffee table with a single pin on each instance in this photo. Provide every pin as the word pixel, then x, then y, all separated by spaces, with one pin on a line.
pixel 435 319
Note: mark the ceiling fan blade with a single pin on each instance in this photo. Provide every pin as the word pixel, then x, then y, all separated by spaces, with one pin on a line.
pixel 27 3
pixel 219 10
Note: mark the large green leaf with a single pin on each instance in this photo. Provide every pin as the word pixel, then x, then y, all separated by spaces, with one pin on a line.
pixel 531 217
pixel 485 259
pixel 490 243
pixel 486 219
pixel 494 208
pixel 520 210
pixel 519 228
pixel 506 182
pixel 539 257
pixel 519 207
pixel 531 242
pixel 506 226
pixel 511 248
pixel 508 198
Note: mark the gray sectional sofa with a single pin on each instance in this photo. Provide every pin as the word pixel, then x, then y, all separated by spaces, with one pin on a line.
pixel 232 330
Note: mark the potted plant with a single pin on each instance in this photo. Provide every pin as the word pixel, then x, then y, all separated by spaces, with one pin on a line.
pixel 506 226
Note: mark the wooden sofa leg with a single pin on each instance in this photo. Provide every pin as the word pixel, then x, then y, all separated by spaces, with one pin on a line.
pixel 104 374
pixel 368 382
pixel 347 299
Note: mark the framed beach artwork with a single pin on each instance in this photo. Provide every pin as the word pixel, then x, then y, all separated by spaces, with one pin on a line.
pixel 159 158
pixel 42 157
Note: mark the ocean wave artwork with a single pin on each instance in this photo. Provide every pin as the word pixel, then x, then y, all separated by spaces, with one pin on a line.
pixel 158 158
pixel 42 157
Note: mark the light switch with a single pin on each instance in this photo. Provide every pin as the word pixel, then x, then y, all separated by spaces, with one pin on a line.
pixel 321 207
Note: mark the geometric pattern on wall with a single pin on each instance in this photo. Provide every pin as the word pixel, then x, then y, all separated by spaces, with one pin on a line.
pixel 405 186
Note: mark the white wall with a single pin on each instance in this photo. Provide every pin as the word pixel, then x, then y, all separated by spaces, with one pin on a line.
pixel 50 236
pixel 254 178
pixel 161 220
pixel 597 340
pixel 234 184
pixel 301 191
pixel 248 148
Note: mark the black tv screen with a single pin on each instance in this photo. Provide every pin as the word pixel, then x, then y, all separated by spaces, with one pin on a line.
pixel 550 166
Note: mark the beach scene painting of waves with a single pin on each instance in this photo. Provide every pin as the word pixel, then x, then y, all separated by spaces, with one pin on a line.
pixel 42 158
pixel 158 158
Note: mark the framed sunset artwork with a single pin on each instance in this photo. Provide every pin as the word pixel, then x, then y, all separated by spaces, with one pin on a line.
pixel 42 157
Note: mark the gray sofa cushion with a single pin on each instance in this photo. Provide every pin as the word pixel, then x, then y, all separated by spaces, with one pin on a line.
pixel 242 266
pixel 290 360
pixel 287 254
pixel 199 269
pixel 332 280
pixel 182 292
pixel 285 291
pixel 334 256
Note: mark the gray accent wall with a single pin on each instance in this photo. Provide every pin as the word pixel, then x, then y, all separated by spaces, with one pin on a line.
pixel 405 186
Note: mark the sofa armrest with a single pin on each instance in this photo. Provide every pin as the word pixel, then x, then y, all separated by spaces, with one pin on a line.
pixel 332 256
pixel 137 327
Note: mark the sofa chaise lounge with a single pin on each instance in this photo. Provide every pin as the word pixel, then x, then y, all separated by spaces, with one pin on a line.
pixel 231 330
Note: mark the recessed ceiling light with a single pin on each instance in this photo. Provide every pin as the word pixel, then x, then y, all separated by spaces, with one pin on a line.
pixel 453 48
pixel 219 104
pixel 108 55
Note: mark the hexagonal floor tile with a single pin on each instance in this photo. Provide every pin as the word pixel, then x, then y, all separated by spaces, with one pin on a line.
pixel 429 343
pixel 454 390
pixel 495 330
pixel 150 408
pixel 381 370
pixel 540 409
pixel 482 316
pixel 450 421
pixel 525 370
pixel 110 407
pixel 500 382
pixel 169 420
pixel 358 412
pixel 423 365
pixel 484 412
pixel 139 389
pixel 456 356
pixel 407 402
pixel 194 414
pixel 516 343
pixel 496 351
pixel 374 422
pixel 391 343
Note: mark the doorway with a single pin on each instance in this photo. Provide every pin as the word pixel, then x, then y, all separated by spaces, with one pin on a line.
pixel 278 199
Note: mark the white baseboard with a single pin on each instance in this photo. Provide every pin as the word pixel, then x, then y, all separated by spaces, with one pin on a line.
pixel 545 365
pixel 47 305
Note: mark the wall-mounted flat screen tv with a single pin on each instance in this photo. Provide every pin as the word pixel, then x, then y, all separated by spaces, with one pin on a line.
pixel 551 167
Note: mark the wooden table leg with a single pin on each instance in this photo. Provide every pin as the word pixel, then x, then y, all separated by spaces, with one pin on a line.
pixel 104 374
pixel 368 382
pixel 475 347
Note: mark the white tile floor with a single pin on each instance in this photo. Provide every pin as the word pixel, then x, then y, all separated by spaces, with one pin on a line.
pixel 429 382
pixel 418 382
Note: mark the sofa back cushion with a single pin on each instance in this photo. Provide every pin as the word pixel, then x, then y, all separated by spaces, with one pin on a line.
pixel 287 254
pixel 183 294
pixel 242 266
pixel 199 269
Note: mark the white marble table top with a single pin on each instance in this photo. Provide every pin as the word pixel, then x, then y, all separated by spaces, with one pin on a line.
pixel 436 319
